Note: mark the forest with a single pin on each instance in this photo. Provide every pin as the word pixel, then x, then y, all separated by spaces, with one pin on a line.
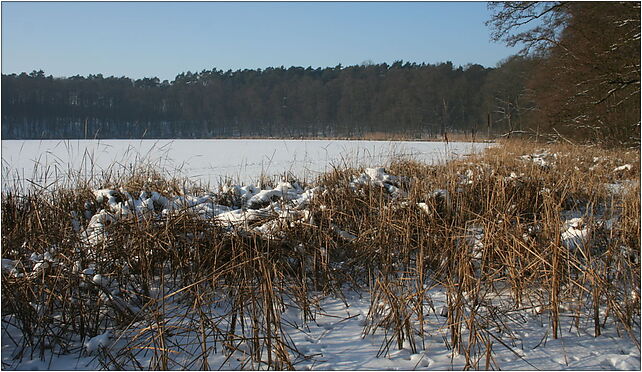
pixel 577 78
pixel 340 101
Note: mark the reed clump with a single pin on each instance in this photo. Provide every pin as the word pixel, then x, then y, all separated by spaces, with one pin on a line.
pixel 520 228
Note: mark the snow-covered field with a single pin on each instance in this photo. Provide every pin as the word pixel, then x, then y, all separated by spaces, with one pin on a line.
pixel 209 161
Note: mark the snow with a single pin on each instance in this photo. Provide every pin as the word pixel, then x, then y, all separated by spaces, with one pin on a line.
pixel 440 193
pixel 543 159
pixel 378 177
pixel 344 234
pixel 10 267
pixel 7 264
pixel 474 239
pixel 98 342
pixel 208 161
pixel 574 235
pixel 337 340
pixel 424 207
pixel 623 167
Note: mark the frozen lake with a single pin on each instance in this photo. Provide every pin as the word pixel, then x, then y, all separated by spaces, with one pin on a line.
pixel 208 161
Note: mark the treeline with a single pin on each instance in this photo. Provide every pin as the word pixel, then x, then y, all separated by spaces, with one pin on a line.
pixel 407 98
pixel 577 79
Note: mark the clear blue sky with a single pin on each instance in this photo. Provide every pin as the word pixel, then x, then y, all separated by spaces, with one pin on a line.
pixel 144 39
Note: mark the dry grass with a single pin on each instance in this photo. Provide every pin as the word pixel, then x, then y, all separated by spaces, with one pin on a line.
pixel 460 136
pixel 492 238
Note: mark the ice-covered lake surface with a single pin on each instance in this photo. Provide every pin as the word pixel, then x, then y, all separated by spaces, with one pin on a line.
pixel 50 162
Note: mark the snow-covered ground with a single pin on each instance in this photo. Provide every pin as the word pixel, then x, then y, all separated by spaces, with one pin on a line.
pixel 209 161
pixel 336 341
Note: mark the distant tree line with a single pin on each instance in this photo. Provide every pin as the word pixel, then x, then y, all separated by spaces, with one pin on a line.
pixel 405 98
pixel 576 79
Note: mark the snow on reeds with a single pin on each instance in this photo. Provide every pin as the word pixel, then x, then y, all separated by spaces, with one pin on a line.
pixel 146 271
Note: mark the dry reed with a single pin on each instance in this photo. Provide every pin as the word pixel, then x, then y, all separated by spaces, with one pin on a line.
pixel 176 287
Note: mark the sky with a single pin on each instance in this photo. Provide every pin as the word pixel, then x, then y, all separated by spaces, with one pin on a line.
pixel 163 39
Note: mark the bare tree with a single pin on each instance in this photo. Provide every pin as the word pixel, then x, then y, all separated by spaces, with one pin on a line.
pixel 588 84
pixel 534 25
